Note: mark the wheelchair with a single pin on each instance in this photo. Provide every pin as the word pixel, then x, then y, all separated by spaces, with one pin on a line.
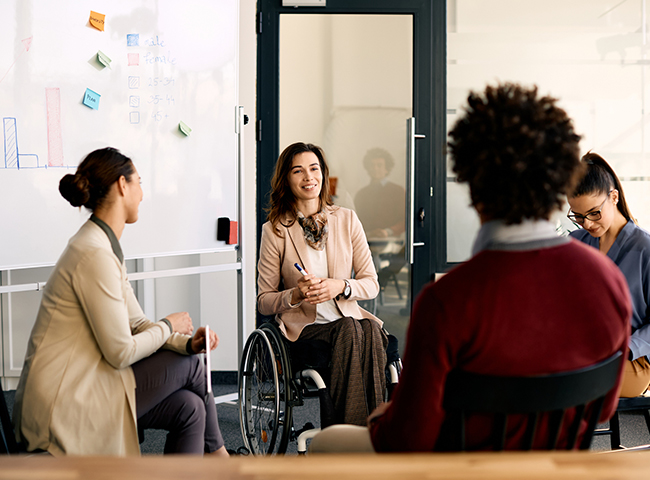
pixel 269 389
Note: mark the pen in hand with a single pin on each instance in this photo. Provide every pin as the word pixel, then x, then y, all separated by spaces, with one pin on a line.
pixel 304 273
pixel 300 269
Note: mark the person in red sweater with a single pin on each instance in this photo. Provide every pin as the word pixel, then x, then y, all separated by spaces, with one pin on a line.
pixel 528 302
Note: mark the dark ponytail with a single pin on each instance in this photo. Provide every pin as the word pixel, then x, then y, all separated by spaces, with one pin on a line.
pixel 601 178
pixel 95 175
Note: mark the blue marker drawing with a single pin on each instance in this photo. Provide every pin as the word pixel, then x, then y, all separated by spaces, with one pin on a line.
pixel 134 82
pixel 134 117
pixel 134 101
pixel 12 157
pixel 132 39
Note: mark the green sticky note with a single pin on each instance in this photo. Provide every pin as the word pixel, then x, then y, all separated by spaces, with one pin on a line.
pixel 103 58
pixel 184 128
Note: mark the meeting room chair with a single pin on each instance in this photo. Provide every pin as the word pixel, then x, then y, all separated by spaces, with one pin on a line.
pixel 635 404
pixel 8 444
pixel 549 395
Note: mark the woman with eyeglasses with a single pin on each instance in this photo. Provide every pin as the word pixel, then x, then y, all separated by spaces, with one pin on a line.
pixel 598 206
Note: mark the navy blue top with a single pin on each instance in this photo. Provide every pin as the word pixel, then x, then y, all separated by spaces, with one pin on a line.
pixel 631 252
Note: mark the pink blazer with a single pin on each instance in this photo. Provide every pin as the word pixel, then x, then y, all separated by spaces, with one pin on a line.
pixel 347 250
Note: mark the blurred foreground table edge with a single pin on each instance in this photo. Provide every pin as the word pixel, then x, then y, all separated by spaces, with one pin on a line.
pixel 555 465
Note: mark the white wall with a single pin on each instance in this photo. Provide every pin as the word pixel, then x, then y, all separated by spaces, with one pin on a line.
pixel 590 54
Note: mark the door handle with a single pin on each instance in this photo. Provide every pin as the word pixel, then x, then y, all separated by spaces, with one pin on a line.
pixel 411 136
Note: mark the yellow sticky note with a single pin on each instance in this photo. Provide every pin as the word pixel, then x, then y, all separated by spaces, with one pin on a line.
pixel 97 20
pixel 184 128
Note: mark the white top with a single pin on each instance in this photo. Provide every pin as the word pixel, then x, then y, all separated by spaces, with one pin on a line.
pixel 327 311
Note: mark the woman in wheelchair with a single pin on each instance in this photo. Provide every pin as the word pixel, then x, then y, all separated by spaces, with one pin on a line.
pixel 318 301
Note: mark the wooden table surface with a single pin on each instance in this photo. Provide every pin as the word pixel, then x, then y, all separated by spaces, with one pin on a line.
pixel 556 466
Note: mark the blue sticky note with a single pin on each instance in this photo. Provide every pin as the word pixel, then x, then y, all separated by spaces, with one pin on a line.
pixel 91 99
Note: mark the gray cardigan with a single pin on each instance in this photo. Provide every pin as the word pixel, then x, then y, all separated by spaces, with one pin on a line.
pixel 631 253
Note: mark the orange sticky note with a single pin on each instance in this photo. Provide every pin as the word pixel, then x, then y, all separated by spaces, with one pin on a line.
pixel 97 20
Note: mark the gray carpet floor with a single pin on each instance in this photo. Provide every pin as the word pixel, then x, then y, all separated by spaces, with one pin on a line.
pixel 633 427
pixel 228 413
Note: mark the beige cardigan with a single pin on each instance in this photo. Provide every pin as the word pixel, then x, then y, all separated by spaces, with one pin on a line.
pixel 347 250
pixel 77 390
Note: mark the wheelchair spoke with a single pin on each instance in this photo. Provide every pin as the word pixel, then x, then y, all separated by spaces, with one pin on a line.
pixel 263 394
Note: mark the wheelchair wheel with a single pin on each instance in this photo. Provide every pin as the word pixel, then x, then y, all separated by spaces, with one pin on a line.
pixel 265 399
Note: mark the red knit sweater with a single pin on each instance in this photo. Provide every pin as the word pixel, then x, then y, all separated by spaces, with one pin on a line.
pixel 504 313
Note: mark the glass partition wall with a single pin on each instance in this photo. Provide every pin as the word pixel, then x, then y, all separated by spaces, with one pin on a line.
pixel 590 54
pixel 346 84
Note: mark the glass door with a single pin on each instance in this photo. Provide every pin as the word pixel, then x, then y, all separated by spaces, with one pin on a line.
pixel 346 86
pixel 361 80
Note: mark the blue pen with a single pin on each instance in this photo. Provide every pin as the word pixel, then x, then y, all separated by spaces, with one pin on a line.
pixel 299 268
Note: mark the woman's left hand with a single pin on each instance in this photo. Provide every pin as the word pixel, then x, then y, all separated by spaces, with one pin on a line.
pixel 326 289
pixel 198 340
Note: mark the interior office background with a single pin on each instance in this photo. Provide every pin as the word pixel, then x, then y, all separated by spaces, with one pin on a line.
pixel 590 54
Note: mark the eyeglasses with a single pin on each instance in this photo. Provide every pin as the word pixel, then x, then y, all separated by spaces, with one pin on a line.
pixel 591 216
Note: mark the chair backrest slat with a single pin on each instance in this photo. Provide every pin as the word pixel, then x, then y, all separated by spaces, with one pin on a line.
pixel 531 429
pixel 500 429
pixel 574 429
pixel 554 427
pixel 583 390
pixel 597 408
pixel 7 440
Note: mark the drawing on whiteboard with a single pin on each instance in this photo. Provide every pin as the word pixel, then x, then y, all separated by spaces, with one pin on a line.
pixel 27 42
pixel 134 59
pixel 132 39
pixel 134 117
pixel 134 82
pixel 54 136
pixel 149 58
pixel 134 101
pixel 12 157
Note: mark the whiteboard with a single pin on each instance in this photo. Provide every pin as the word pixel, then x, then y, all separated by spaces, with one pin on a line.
pixel 170 62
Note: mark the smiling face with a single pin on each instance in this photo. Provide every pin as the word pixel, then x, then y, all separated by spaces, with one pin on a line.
pixel 586 204
pixel 305 178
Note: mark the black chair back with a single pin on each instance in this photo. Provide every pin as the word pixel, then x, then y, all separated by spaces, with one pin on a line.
pixel 583 390
pixel 7 439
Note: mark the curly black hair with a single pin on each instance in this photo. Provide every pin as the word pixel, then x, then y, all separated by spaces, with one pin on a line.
pixel 517 151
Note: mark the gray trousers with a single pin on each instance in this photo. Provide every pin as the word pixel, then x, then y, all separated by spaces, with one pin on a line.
pixel 171 395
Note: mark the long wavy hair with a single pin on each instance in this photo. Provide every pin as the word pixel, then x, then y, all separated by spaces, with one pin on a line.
pixel 601 178
pixel 282 203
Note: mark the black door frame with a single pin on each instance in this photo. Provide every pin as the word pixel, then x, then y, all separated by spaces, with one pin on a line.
pixel 429 109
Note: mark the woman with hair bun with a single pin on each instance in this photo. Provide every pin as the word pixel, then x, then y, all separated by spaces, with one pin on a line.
pixel 598 206
pixel 96 368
